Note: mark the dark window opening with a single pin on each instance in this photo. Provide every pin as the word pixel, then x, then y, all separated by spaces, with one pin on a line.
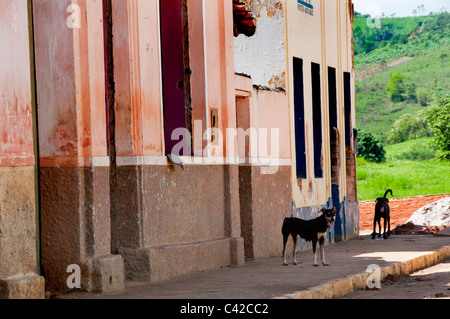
pixel 299 113
pixel 348 109
pixel 334 131
pixel 317 119
pixel 350 156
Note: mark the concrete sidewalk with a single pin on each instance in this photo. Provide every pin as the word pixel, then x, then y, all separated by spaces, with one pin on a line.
pixel 268 278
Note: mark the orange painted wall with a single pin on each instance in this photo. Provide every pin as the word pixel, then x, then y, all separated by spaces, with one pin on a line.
pixel 70 83
pixel 212 63
pixel 16 120
pixel 137 75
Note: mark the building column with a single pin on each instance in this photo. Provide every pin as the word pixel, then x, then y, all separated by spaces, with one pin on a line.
pixel 169 221
pixel 213 87
pixel 19 264
pixel 74 162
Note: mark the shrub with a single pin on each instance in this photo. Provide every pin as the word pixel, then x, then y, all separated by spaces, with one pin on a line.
pixel 370 148
pixel 424 96
pixel 438 117
pixel 409 127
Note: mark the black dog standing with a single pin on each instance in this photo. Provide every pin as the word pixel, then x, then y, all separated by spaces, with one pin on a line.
pixel 311 230
pixel 382 211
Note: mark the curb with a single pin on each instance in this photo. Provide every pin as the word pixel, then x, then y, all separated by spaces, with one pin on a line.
pixel 344 286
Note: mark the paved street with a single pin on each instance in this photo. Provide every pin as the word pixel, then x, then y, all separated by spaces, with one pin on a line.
pixel 268 278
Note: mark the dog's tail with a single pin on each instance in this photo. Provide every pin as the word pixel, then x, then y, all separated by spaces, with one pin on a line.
pixel 388 191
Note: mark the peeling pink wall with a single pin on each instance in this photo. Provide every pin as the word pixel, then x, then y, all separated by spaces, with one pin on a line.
pixel 137 75
pixel 16 122
pixel 70 83
pixel 270 110
pixel 212 64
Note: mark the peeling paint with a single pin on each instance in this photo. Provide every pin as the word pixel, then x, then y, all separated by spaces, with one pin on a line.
pixel 274 8
pixel 263 56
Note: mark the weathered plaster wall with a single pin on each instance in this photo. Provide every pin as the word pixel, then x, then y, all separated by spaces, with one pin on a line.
pixel 263 56
pixel 211 60
pixel 74 163
pixel 18 237
pixel 70 83
pixel 16 121
pixel 326 32
pixel 264 192
pixel 19 268
pixel 265 202
pixel 323 35
pixel 137 76
pixel 194 208
pixel 169 220
pixel 269 110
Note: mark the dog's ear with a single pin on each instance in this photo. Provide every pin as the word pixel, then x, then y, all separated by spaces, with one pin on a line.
pixel 323 210
pixel 334 210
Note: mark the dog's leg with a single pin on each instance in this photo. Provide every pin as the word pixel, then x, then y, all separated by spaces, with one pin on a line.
pixel 285 239
pixel 314 244
pixel 385 226
pixel 322 251
pixel 379 228
pixel 294 256
pixel 389 225
pixel 374 234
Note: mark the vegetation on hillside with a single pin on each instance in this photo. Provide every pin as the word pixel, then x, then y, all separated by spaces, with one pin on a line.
pixel 396 37
pixel 403 105
pixel 409 64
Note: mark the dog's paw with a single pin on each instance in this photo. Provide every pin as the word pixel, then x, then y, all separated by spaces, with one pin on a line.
pixel 295 263
pixel 316 265
pixel 326 264
pixel 285 264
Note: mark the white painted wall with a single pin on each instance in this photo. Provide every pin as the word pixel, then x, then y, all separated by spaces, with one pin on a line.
pixel 263 56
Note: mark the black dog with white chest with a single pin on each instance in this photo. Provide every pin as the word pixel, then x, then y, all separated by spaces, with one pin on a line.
pixel 311 230
pixel 382 211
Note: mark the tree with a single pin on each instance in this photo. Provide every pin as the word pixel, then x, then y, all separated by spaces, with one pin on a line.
pixel 396 87
pixel 438 117
pixel 401 88
pixel 370 148
pixel 421 9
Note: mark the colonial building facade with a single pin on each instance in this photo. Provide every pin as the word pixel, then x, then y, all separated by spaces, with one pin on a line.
pixel 146 139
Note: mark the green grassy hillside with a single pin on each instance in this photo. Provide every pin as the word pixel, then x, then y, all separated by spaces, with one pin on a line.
pixel 417 49
pixel 401 68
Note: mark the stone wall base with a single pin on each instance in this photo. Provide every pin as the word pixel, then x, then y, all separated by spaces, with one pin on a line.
pixel 26 287
pixel 103 274
pixel 165 262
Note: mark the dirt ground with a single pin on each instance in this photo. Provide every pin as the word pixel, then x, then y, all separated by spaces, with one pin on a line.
pixel 401 210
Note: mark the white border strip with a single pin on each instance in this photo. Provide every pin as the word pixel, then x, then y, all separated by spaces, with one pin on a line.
pixel 187 160
pixel 102 161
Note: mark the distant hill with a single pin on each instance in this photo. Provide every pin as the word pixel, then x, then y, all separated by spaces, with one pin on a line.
pixel 415 51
